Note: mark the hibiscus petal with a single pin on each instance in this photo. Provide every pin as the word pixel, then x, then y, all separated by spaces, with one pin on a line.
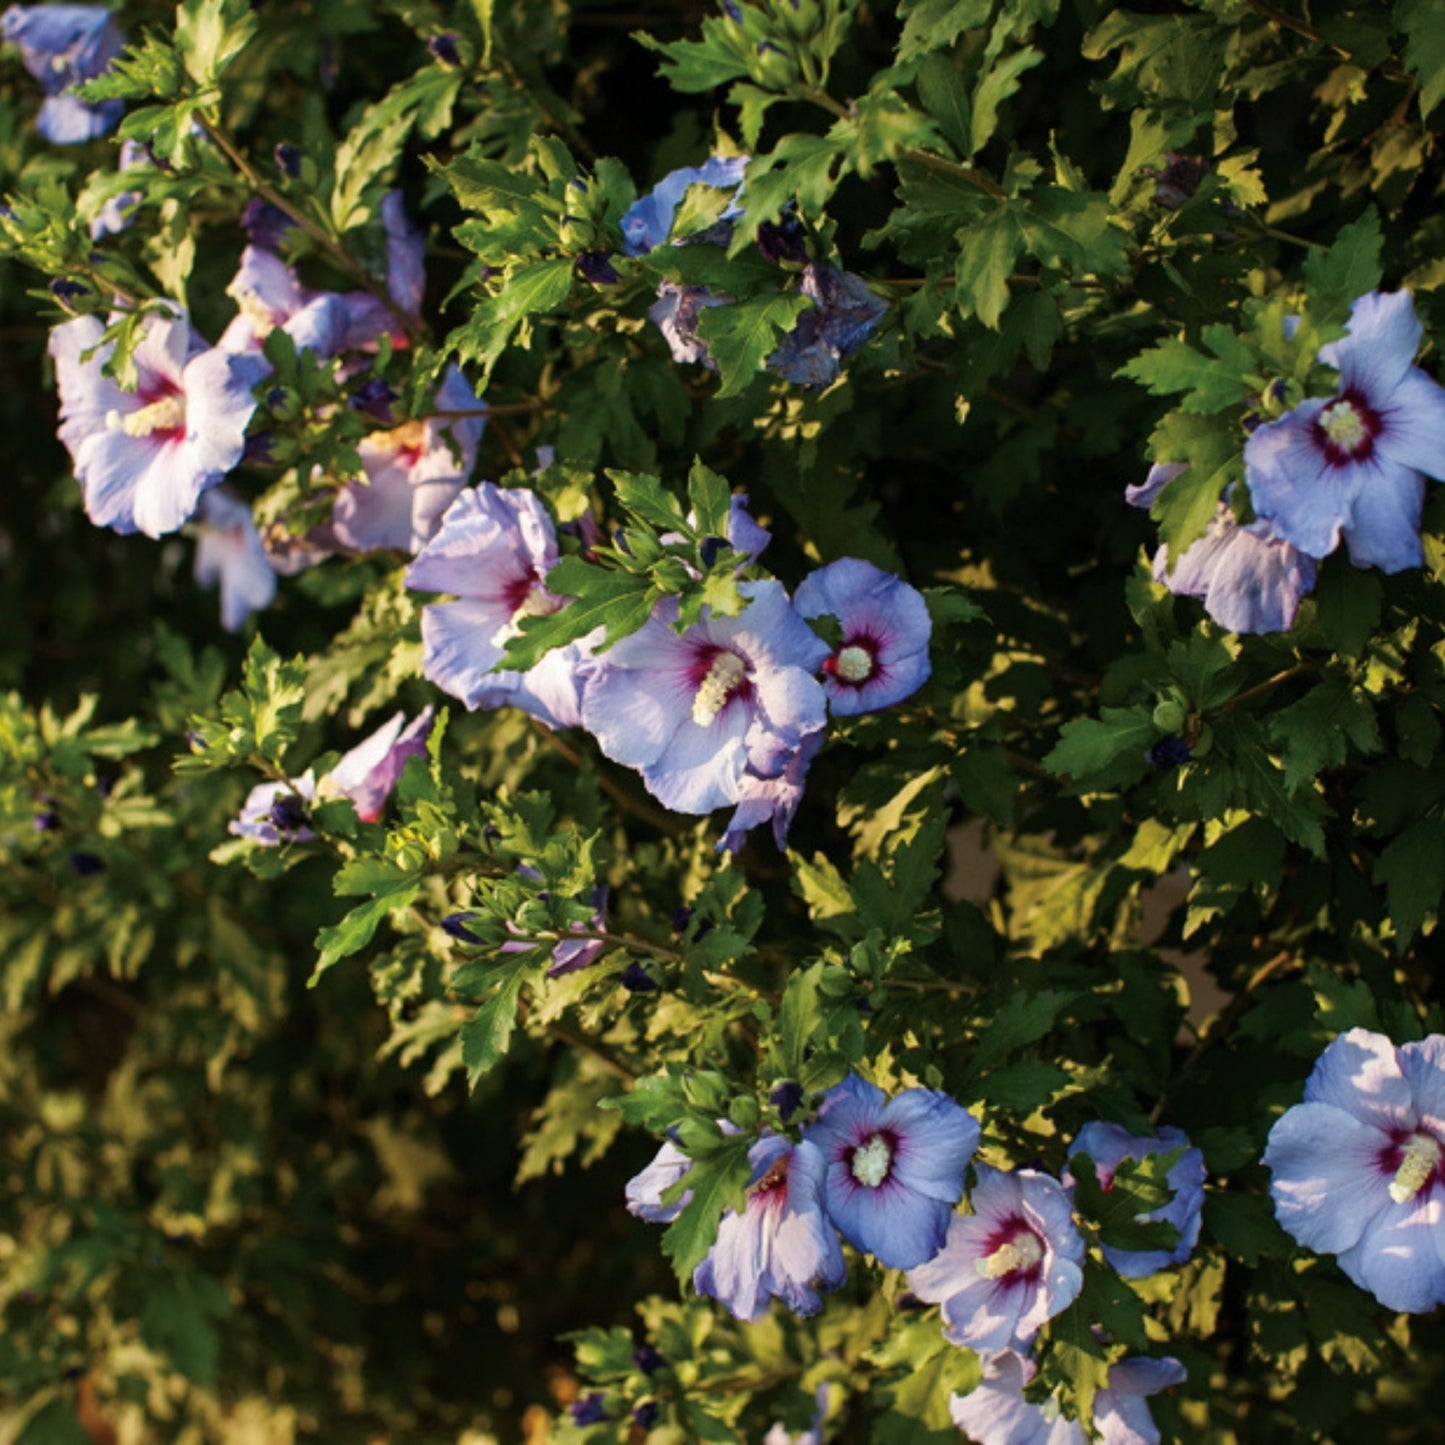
pixel 1359 1072
pixel 1328 1179
pixel 1384 335
pixel 1291 481
pixel 1396 1258
pixel 1384 526
pixel 1412 424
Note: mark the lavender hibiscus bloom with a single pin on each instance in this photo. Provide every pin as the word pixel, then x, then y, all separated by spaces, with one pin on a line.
pixel 883 655
pixel 1108 1146
pixel 229 552
pixel 1249 579
pixel 1352 465
pixel 275 813
pixel 62 45
pixel 269 295
pixel 647 222
pixel 492 553
pixel 996 1412
pixel 675 314
pixel 1008 1267
pixel 895 1167
pixel 414 473
pixel 772 800
pixel 843 315
pixel 144 457
pixel 781 1246
pixel 697 714
pixel 645 1190
pixel 1357 1167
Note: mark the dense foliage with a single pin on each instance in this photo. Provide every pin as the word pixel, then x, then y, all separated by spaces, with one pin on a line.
pixel 688 685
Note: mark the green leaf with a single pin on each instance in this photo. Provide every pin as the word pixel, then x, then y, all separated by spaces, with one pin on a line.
pixel 1210 383
pixel 1412 870
pixel 486 1035
pixel 1203 666
pixel 928 1370
pixel 716 1182
pixel 359 926
pixel 1244 1225
pixel 1316 732
pixel 1001 81
pixel 1423 24
pixel 1088 746
pixel 1211 452
pixel 1022 1019
pixel 647 499
pixel 1335 278
pixel 741 337
pixel 711 500
pixel 1138 1188
pixel 211 33
pixel 179 1318
pixel 619 601
pixel 936 24
pixel 987 251
pixel 945 97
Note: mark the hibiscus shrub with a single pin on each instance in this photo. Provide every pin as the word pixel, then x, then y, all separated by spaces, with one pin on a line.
pixel 707 876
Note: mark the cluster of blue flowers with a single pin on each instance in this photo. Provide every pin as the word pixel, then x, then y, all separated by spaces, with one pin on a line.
pixel 1358 1168
pixel 1351 466
pixel 61 46
pixel 730 711
pixel 886 1175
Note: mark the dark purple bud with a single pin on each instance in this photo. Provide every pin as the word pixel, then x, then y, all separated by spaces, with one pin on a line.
pixel 258 450
pixel 636 979
pixel 1179 180
pixel 1170 752
pixel 288 813
pixel 105 784
pixel 1277 390
pixel 276 397
pixel 47 821
pixel 785 1098
pixel 491 833
pixel 709 548
pixel 645 1415
pixel 288 159
pixel 907 1300
pixel 785 241
pixel 7 213
pixel 1251 421
pixel 648 1358
pixel 456 925
pixel 863 1005
pixel 265 224
pixel 74 1373
pixel 597 267
pixel 67 291
pixel 86 865
pixel 158 161
pixel 681 917
pixel 766 45
pixel 619 540
pixel 731 9
pixel 444 48
pixel 374 396
pixel 590 1409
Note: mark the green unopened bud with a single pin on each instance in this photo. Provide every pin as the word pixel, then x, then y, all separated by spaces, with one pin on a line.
pixel 743 1111
pixel 705 1091
pixel 772 67
pixel 1202 744
pixel 1169 716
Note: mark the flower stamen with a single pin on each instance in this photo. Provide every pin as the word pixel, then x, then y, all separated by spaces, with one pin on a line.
pixel 872 1161
pixel 1019 1254
pixel 1345 427
pixel 1419 1160
pixel 854 663
pixel 723 677
pixel 167 414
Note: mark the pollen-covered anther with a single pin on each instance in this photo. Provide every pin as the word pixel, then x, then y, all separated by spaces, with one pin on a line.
pixel 537 603
pixel 723 677
pixel 1419 1160
pixel 854 664
pixel 167 414
pixel 872 1161
pixel 1345 427
pixel 1022 1252
pixel 257 312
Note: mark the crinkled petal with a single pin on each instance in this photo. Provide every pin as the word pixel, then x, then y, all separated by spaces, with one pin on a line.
pixel 937 1139
pixel 701 768
pixel 1294 484
pixel 644 1191
pixel 1328 1179
pixel 1360 1073
pixel 459 647
pixel 1384 526
pixel 1143 494
pixel 1383 337
pixel 66 120
pixel 1423 1065
pixel 1412 425
pixel 1397 1258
